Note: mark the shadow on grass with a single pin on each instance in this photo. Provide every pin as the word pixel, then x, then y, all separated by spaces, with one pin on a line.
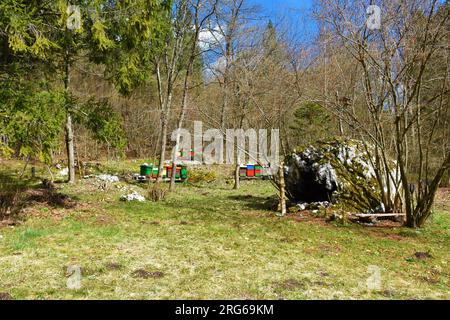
pixel 255 202
pixel 16 194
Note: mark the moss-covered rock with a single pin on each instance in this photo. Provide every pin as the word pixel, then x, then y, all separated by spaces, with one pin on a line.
pixel 338 171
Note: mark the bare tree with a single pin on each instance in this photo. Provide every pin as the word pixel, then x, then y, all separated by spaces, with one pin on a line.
pixel 168 61
pixel 198 22
pixel 393 61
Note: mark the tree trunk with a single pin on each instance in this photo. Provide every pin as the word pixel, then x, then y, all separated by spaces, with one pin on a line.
pixel 162 147
pixel 69 128
pixel 70 148
pixel 179 126
pixel 185 93
pixel 237 180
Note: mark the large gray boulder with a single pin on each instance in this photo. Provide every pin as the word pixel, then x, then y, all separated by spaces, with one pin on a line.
pixel 338 172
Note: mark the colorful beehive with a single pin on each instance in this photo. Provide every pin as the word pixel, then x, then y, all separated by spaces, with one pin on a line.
pixel 146 170
pixel 155 171
pixel 258 171
pixel 243 171
pixel 253 171
pixel 151 172
pixel 169 171
pixel 250 171
pixel 180 173
pixel 184 172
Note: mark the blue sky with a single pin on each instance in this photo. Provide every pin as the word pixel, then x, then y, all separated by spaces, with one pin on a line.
pixel 274 6
pixel 294 13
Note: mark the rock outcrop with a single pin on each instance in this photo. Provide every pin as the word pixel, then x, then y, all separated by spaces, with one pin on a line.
pixel 339 172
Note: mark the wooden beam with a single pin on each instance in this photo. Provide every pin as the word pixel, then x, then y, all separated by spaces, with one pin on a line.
pixel 381 215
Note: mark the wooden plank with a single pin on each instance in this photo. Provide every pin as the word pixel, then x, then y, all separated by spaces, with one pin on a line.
pixel 382 215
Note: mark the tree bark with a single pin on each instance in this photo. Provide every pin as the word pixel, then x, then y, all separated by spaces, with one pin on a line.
pixel 70 148
pixel 237 180
pixel 69 128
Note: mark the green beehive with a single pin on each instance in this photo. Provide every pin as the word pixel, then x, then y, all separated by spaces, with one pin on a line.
pixel 146 170
pixel 184 172
pixel 258 171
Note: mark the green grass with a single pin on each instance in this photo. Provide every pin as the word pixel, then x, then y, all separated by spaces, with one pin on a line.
pixel 212 242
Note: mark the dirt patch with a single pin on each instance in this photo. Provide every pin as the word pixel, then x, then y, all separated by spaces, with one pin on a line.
pixel 395 237
pixel 295 284
pixel 288 239
pixel 152 223
pixel 308 216
pixel 329 248
pixel 430 280
pixel 5 296
pixel 9 223
pixel 323 274
pixel 103 220
pixel 422 255
pixel 382 233
pixel 289 284
pixel 49 197
pixel 113 266
pixel 387 293
pixel 257 214
pixel 144 274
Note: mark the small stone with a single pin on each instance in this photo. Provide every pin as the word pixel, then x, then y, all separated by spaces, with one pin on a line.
pixel 133 197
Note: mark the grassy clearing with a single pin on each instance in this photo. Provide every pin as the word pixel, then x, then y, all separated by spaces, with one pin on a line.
pixel 208 241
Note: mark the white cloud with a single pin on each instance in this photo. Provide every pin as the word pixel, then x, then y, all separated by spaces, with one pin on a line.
pixel 210 38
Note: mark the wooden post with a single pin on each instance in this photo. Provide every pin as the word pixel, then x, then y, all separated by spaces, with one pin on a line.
pixel 282 189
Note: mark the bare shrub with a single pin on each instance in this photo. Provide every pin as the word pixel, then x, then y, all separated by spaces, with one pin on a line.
pixel 157 192
pixel 10 201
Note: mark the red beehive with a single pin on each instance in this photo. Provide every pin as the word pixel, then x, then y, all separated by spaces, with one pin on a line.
pixel 250 171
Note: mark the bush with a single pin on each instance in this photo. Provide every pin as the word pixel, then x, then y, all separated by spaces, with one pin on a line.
pixel 199 175
pixel 10 201
pixel 157 192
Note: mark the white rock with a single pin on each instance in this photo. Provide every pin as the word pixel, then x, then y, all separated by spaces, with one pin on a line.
pixel 63 172
pixel 133 197
pixel 107 178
